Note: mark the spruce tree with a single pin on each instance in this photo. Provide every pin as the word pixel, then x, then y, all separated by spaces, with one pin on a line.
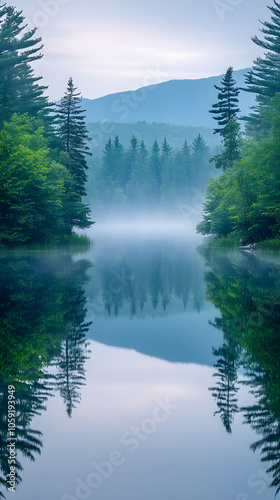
pixel 225 112
pixel 227 106
pixel 74 136
pixel 264 78
pixel 20 91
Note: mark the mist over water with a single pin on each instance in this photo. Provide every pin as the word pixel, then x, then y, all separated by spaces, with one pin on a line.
pixel 141 223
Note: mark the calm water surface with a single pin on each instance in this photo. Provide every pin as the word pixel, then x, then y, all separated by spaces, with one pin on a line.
pixel 143 369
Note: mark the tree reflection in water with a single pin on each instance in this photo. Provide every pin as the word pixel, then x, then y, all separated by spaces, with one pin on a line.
pixel 245 288
pixel 42 310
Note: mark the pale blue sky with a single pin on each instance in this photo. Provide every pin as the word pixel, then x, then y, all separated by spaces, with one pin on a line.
pixel 112 46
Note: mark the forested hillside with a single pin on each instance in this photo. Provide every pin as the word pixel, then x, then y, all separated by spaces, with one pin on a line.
pixel 177 102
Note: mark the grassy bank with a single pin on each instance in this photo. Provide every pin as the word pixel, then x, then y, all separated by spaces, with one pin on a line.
pixel 73 241
pixel 223 241
pixel 233 241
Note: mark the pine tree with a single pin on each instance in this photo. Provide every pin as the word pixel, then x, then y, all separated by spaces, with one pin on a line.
pixel 225 112
pixel 74 136
pixel 20 91
pixel 227 106
pixel 264 78
pixel 232 143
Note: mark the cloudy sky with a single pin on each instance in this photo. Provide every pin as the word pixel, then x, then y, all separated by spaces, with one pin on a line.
pixel 109 46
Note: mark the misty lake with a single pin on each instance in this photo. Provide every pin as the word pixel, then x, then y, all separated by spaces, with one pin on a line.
pixel 146 368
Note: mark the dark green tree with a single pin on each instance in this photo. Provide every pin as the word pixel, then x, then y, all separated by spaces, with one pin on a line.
pixel 74 136
pixel 72 132
pixel 225 112
pixel 227 106
pixel 20 91
pixel 232 143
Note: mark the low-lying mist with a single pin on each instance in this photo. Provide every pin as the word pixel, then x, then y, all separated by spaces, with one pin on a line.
pixel 180 222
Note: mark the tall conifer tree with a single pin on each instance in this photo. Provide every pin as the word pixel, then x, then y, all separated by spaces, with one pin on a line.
pixel 20 91
pixel 227 106
pixel 74 136
pixel 225 112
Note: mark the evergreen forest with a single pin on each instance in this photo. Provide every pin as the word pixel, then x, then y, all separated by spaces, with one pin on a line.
pixel 242 204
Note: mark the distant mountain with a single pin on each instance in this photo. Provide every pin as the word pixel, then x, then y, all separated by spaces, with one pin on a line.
pixel 177 102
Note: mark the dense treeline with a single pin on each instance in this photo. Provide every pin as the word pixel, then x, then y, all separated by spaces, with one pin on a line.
pixel 155 177
pixel 243 203
pixel 42 150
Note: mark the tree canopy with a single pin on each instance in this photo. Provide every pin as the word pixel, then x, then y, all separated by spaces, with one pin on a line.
pixel 42 181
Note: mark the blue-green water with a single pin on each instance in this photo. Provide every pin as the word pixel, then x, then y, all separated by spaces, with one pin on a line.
pixel 143 369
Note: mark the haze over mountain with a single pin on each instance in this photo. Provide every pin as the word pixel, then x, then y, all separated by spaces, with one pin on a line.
pixel 176 102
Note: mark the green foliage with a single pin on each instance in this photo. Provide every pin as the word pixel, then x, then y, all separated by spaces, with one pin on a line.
pixel 246 199
pixel 31 184
pixel 37 200
pixel 41 181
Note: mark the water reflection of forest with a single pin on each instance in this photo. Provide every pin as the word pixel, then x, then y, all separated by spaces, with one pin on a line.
pixel 42 323
pixel 145 277
pixel 246 290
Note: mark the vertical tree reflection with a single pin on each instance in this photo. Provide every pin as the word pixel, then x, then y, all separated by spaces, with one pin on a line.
pixel 246 290
pixel 225 391
pixel 42 309
pixel 70 364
